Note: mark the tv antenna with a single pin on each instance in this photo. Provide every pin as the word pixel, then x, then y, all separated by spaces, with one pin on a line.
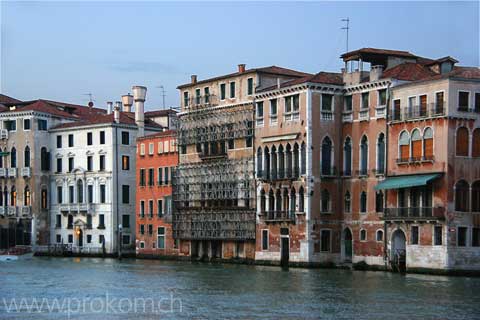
pixel 90 96
pixel 347 27
pixel 163 95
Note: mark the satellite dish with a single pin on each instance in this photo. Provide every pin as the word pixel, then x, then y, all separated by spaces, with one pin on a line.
pixel 90 104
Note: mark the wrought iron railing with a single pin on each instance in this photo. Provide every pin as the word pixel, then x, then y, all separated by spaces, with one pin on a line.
pixel 276 216
pixel 415 212
pixel 419 111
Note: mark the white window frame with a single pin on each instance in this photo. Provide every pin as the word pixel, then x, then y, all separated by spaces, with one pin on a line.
pixel 162 236
pixel 142 149
pixel 259 121
pixel 469 100
pixel 273 116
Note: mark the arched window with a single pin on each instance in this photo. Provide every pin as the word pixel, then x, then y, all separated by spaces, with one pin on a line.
pixel 13 196
pixel 363 235
pixel 404 143
pixel 303 159
pixel 26 196
pixel 281 162
pixel 301 200
pixel 325 205
pixel 259 162
pixel 1 199
pixel 5 196
pixel 44 198
pixel 296 160
pixel 80 191
pixel 1 159
pixel 476 196
pixel 347 202
pixel 461 196
pixel 364 156
pixel 428 144
pixel 347 157
pixel 327 169
pixel 462 142
pixel 289 161
pixel 476 143
pixel 273 159
pixel 379 235
pixel 416 145
pixel 26 157
pixel 379 201
pixel 286 200
pixel 13 158
pixel 293 200
pixel 266 163
pixel 363 202
pixel 278 200
pixel 271 201
pixel 381 154
pixel 262 201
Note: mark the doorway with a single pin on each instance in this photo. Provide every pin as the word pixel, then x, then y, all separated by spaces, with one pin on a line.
pixel 348 245
pixel 398 256
pixel 284 246
pixel 80 237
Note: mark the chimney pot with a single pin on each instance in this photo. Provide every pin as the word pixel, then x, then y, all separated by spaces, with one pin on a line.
pixel 194 78
pixel 139 94
pixel 241 68
pixel 109 107
pixel 127 102
pixel 116 112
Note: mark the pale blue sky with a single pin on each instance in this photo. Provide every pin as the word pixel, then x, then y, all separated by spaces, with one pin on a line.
pixel 61 50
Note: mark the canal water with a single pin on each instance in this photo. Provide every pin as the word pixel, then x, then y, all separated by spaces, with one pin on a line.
pixel 87 288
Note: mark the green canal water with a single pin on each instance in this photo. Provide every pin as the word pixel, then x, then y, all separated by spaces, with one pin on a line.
pixel 86 288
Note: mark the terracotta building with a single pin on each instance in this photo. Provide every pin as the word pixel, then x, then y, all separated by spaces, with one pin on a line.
pixel 157 159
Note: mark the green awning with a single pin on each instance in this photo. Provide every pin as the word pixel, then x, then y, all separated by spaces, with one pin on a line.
pixel 406 181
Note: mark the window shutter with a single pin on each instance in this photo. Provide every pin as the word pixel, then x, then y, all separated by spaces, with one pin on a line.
pixel 428 147
pixel 165 146
pixel 404 151
pixel 417 149
pixel 476 143
pixel 462 142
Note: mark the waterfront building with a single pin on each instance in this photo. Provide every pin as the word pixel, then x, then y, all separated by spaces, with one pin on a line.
pixel 157 159
pixel 93 178
pixel 214 185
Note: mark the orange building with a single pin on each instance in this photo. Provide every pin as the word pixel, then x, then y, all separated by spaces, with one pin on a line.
pixel 157 158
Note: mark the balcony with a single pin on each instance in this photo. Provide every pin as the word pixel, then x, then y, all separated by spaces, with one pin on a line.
pixel 364 115
pixel 362 172
pixel 347 116
pixel 328 172
pixel 326 115
pixel 3 210
pixel 379 171
pixel 26 211
pixel 281 174
pixel 12 210
pixel 3 134
pixel 428 158
pixel 216 155
pixel 26 172
pixel 381 112
pixel 414 213
pixel 3 172
pixel 76 208
pixel 419 112
pixel 12 172
pixel 278 216
pixel 202 101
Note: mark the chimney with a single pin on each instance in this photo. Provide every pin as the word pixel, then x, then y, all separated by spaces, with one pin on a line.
pixel 109 107
pixel 194 78
pixel 116 112
pixel 376 72
pixel 127 102
pixel 139 94
pixel 241 68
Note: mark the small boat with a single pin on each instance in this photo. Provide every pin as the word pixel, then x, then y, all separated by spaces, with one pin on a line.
pixel 17 253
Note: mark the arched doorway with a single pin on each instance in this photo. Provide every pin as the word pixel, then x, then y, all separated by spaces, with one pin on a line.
pixel 80 237
pixel 398 256
pixel 347 245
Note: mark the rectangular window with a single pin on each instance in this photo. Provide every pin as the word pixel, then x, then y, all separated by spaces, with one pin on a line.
pixel 89 238
pixel 101 239
pixel 125 163
pixel 222 91
pixel 348 103
pixel 249 86
pixel 327 102
pixel 126 239
pixel 59 238
pixel 475 237
pixel 42 125
pixel 264 239
pixel 161 237
pixel 125 138
pixel 160 176
pixel 198 96
pixel 70 140
pixel 150 208
pixel 365 100
pixel 142 177
pixel 89 221
pixel 437 235
pixel 59 194
pixel 101 221
pixel 150 148
pixel 58 223
pixel 292 107
pixel 59 141
pixel 71 193
pixel 102 162
pixel 70 164
pixel 90 193
pixel 103 194
pixel 414 235
pixel 462 236
pixel 463 100
pixel 185 99
pixel 125 194
pixel 160 147
pixel 259 114
pixel 325 241
pixel 89 138
pixel 477 102
pixel 70 238
pixel 89 163
pixel 59 165
pixel 142 149
pixel 151 177
pixel 102 137
pixel 150 229
pixel 168 205
pixel 166 175
pixel 126 221
pixel 10 125
pixel 142 208
pixel 382 97
pixel 232 90
pixel 160 207
pixel 166 146
pixel 26 124
pixel 206 93
pixel 273 111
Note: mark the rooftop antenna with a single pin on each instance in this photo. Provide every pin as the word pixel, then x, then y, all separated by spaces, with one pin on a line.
pixel 90 96
pixel 347 27
pixel 163 95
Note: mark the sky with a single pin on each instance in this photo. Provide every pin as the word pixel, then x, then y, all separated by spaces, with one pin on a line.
pixel 63 50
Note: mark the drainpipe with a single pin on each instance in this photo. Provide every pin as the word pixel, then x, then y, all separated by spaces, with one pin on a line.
pixel 387 114
pixel 116 195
